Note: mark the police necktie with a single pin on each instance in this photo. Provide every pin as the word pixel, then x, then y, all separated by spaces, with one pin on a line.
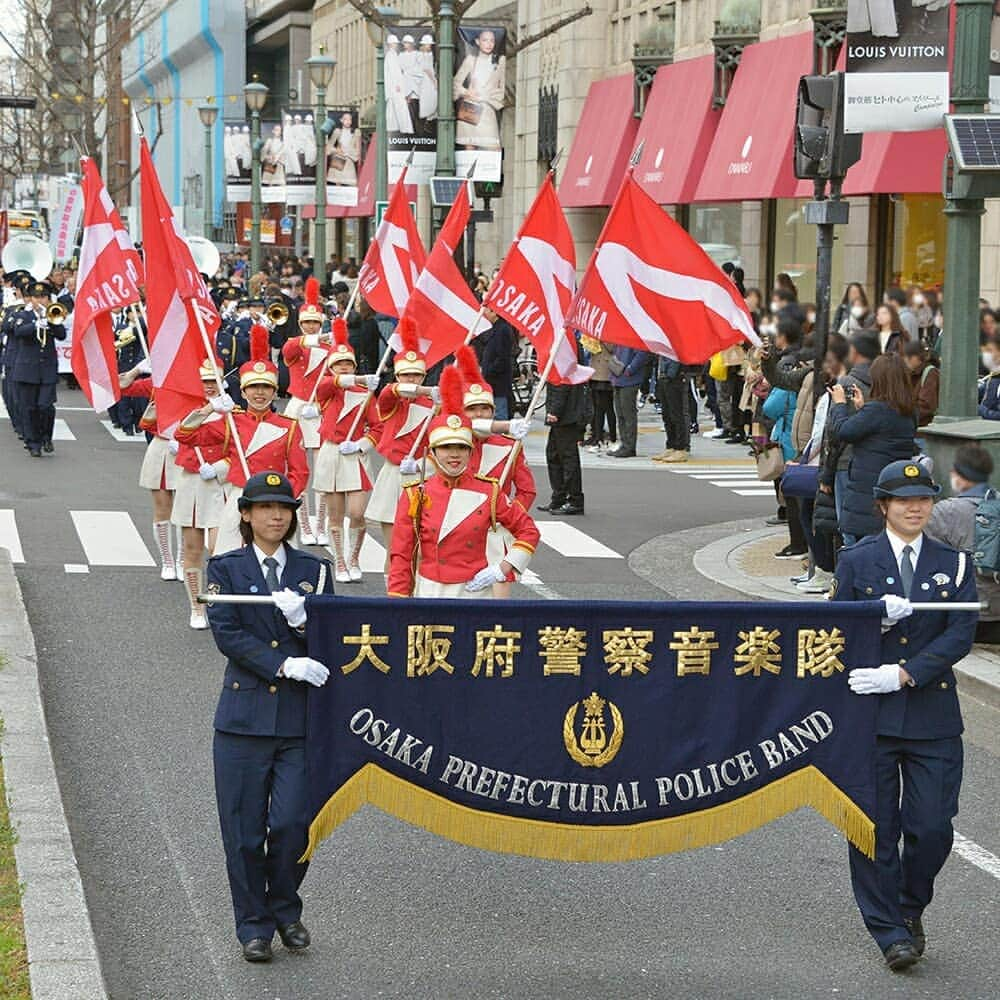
pixel 906 570
pixel 271 576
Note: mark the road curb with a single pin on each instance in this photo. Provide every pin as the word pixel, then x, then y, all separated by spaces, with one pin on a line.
pixel 978 673
pixel 56 919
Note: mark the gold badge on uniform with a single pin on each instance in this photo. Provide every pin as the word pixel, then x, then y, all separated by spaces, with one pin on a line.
pixel 592 746
pixel 832 592
pixel 259 366
pixel 306 587
pixel 911 472
pixel 454 421
pixel 273 479
pixel 411 355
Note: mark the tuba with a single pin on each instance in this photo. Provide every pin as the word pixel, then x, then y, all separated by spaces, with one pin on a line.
pixel 205 255
pixel 27 253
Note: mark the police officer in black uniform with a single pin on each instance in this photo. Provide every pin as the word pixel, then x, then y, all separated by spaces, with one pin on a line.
pixel 15 281
pixel 918 748
pixel 36 368
pixel 259 747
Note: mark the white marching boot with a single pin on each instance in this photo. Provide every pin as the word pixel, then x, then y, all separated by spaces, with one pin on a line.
pixel 163 536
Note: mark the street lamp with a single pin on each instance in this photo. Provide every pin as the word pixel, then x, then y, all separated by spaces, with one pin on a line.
pixel 376 32
pixel 321 69
pixel 208 114
pixel 255 94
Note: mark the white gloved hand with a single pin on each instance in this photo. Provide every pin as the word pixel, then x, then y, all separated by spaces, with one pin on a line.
pixel 436 395
pixel 348 447
pixel 875 680
pixel 207 471
pixel 409 467
pixel 369 381
pixel 305 668
pixel 144 367
pixel 291 605
pixel 173 446
pixel 519 428
pixel 486 578
pixel 223 403
pixel 309 412
pixel 896 609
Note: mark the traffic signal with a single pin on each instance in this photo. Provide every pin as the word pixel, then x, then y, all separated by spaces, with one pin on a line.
pixel 821 150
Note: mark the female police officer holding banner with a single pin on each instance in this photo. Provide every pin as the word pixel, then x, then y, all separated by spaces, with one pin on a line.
pixel 918 747
pixel 259 747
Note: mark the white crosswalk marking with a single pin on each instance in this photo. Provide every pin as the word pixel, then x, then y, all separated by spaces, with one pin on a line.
pixel 740 479
pixel 61 431
pixel 119 435
pixel 573 543
pixel 759 492
pixel 109 538
pixel 9 538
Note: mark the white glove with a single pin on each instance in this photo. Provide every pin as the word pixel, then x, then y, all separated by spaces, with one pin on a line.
pixel 291 605
pixel 349 447
pixel 436 395
pixel 144 367
pixel 305 668
pixel 369 381
pixel 207 471
pixel 875 680
pixel 222 403
pixel 409 467
pixel 896 609
pixel 486 578
pixel 173 446
pixel 309 412
pixel 519 428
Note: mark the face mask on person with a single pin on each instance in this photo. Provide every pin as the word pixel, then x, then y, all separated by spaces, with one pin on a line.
pixel 767 329
pixel 987 358
pixel 775 306
pixel 857 311
pixel 918 299
pixel 811 316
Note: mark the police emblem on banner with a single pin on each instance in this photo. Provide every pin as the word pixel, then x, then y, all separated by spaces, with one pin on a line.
pixel 592 745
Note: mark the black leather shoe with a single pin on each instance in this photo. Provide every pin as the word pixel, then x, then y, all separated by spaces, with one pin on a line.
pixel 569 508
pixel 48 447
pixel 35 451
pixel 900 955
pixel 258 950
pixel 294 936
pixel 551 505
pixel 916 929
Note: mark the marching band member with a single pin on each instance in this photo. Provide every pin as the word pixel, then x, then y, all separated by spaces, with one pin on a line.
pixel 491 451
pixel 271 441
pixel 14 284
pixel 342 466
pixel 158 474
pixel 200 499
pixel 36 367
pixel 305 357
pixel 439 542
pixel 403 408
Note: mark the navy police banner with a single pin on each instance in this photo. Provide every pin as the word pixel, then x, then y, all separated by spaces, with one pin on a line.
pixel 590 731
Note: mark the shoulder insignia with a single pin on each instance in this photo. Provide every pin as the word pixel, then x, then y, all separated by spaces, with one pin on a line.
pixel 495 480
pixel 832 592
pixel 306 587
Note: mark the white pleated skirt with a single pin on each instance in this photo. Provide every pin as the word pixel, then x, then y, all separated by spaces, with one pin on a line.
pixel 308 425
pixel 198 503
pixel 336 473
pixel 158 470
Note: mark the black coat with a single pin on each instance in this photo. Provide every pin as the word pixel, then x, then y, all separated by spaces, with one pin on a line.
pixel 570 404
pixel 497 357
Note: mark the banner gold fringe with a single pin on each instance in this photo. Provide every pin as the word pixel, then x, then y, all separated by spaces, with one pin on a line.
pixel 565 842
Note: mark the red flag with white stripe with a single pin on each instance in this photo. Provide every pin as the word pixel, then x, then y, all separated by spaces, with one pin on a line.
pixel 107 279
pixel 650 286
pixel 395 258
pixel 176 347
pixel 535 285
pixel 442 305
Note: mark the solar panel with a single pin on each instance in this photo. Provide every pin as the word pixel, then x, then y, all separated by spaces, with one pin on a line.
pixel 974 142
pixel 444 190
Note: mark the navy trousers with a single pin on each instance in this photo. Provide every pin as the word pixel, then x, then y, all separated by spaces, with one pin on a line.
pixel 36 408
pixel 895 886
pixel 260 788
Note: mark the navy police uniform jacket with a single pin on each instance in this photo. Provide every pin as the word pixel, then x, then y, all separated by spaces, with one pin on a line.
pixel 927 643
pixel 34 362
pixel 257 640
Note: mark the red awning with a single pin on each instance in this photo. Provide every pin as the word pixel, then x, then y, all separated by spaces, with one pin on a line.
pixel 898 163
pixel 602 145
pixel 751 157
pixel 677 129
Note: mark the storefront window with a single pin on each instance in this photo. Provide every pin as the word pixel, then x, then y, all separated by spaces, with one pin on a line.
pixel 918 240
pixel 795 250
pixel 717 226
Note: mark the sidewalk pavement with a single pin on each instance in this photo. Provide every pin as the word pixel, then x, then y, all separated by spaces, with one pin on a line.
pixel 744 561
pixel 62 955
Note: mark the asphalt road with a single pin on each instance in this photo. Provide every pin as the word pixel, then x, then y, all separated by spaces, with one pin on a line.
pixel 129 693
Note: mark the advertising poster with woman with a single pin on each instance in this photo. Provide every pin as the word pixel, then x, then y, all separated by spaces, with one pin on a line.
pixel 479 91
pixel 411 102
pixel 897 65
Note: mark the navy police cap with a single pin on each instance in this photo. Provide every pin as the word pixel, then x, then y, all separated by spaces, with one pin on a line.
pixel 905 479
pixel 267 487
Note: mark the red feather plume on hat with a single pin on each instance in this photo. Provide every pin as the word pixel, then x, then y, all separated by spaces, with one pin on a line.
pixel 312 292
pixel 340 332
pixel 260 346
pixel 465 361
pixel 408 336
pixel 451 391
